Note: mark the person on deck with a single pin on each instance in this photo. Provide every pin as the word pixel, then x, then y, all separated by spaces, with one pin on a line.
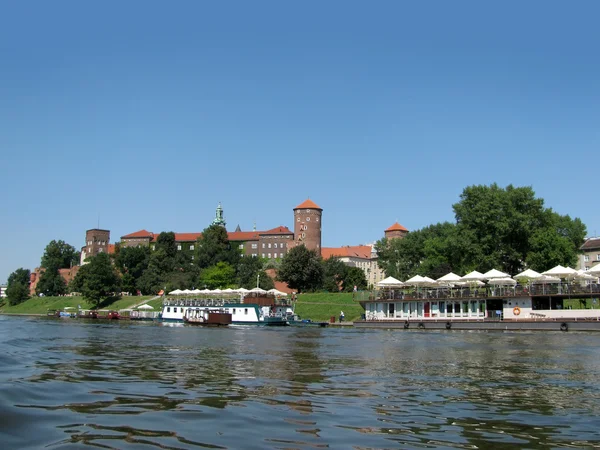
pixel 341 316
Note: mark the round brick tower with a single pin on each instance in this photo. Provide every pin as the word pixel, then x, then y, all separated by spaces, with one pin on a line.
pixel 307 225
pixel 395 231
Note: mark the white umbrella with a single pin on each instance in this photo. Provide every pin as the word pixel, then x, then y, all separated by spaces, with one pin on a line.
pixel 561 272
pixel 390 282
pixel 243 290
pixel 495 274
pixel 595 270
pixel 145 306
pixel 195 291
pixel 275 292
pixel 417 280
pixel 545 279
pixel 258 290
pixel 216 291
pixel 186 292
pixel 449 278
pixel 205 291
pixel 504 281
pixel 473 276
pixel 528 274
pixel 583 275
pixel 430 281
pixel 175 292
pixel 228 291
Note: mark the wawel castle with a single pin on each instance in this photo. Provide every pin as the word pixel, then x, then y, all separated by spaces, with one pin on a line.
pixel 272 244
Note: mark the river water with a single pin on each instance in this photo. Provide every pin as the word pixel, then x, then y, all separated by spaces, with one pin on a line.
pixel 72 383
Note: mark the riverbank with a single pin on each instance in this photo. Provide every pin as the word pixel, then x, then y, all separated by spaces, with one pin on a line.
pixel 41 305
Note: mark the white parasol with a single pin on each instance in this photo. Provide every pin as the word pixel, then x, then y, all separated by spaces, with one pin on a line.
pixel 561 272
pixel 145 306
pixel 490 274
pixel 390 282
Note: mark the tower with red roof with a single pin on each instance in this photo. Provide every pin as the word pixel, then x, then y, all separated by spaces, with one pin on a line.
pixel 307 225
pixel 395 231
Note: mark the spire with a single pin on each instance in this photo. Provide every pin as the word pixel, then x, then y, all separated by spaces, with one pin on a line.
pixel 219 219
pixel 238 229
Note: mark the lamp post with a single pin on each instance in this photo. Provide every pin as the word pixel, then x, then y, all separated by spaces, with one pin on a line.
pixel 257 279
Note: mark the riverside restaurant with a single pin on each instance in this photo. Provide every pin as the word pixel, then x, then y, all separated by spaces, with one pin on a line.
pixel 493 296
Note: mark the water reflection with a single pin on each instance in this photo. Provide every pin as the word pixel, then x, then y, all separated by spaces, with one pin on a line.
pixel 70 383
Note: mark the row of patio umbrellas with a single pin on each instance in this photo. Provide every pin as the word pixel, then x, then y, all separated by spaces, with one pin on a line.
pixel 496 277
pixel 255 290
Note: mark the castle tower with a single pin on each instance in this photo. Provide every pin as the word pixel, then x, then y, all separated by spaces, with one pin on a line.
pixel 395 231
pixel 96 241
pixel 219 218
pixel 307 225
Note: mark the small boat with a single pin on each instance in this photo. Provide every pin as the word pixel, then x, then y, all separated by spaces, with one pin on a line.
pixel 207 317
pixel 87 314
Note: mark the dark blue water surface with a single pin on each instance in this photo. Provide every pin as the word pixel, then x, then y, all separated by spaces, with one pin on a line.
pixel 72 383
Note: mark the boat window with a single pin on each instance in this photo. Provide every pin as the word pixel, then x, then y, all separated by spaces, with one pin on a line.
pixel 442 307
pixel 168 309
pixel 174 309
pixel 233 310
pixel 246 311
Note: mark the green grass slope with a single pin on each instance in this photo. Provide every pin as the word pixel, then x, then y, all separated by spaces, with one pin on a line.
pixel 40 305
pixel 321 306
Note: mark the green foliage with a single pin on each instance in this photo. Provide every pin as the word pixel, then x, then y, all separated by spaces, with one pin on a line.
pixel 21 276
pixel 98 279
pixel 221 275
pixel 334 274
pixel 166 243
pixel 17 289
pixel 251 269
pixel 507 229
pixel 59 255
pixel 214 247
pixel 51 283
pixel 354 277
pixel 133 261
pixel 301 269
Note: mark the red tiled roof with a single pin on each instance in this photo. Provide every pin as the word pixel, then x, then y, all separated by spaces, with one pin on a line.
pixel 187 237
pixel 243 235
pixel 355 251
pixel 139 234
pixel 278 230
pixel 397 227
pixel 308 204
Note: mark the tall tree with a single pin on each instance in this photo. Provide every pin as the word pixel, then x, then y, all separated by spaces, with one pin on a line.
pixel 17 289
pixel 301 269
pixel 214 247
pixel 166 242
pixel 247 271
pixel 59 255
pixel 51 283
pixel 354 277
pixel 98 279
pixel 221 275
pixel 132 262
pixel 334 274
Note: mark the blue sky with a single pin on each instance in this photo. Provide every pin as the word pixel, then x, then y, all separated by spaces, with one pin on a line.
pixel 147 114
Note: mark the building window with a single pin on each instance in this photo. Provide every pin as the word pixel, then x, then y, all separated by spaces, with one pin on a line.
pixel 269 256
pixel 586 258
pixel 263 245
pixel 298 219
pixel 241 246
pixel 317 219
pixel 99 250
pixel 274 255
pixel 153 247
pixel 192 247
pixel 263 255
pixel 308 219
pixel 269 245
pixel 275 245
pixel 192 257
pixel 254 245
pixel 598 257
pixel 178 246
pixel 254 255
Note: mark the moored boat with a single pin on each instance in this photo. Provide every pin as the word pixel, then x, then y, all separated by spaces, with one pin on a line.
pixel 207 317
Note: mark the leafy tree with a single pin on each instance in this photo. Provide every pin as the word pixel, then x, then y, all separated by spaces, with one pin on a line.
pixel 334 274
pixel 166 242
pixel 59 255
pixel 247 270
pixel 151 281
pixel 221 275
pixel 98 279
pixel 132 262
pixel 301 269
pixel 214 247
pixel 51 283
pixel 17 289
pixel 354 277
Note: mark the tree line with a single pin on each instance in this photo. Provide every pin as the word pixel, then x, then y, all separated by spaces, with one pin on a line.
pixel 215 263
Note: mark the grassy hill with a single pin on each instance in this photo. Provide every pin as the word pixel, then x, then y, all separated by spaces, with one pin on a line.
pixel 40 305
pixel 321 306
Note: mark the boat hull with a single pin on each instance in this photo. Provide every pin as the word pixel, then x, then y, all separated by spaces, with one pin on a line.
pixel 211 319
pixel 486 325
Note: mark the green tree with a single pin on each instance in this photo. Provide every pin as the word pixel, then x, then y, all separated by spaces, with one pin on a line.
pixel 221 275
pixel 98 279
pixel 59 255
pixel 214 247
pixel 17 289
pixel 334 274
pixel 301 269
pixel 51 283
pixel 247 270
pixel 354 277
pixel 132 262
pixel 166 243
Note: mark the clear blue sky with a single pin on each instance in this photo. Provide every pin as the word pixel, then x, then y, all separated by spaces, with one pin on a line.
pixel 147 114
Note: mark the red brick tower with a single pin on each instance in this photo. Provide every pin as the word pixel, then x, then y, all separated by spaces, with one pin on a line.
pixel 307 225
pixel 395 231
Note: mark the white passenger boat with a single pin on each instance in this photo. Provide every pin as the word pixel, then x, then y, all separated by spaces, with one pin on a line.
pixel 243 310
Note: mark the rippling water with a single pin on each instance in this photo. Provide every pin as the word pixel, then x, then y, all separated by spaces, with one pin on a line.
pixel 69 384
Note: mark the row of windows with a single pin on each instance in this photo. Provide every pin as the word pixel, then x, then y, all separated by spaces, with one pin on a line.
pixel 586 258
pixel 182 310
pixel 277 236
pixel 275 255
pixel 307 219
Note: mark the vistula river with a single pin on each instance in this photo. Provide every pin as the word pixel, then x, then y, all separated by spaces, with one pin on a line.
pixel 73 383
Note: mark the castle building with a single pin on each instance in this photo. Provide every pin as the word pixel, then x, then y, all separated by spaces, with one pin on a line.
pixel 96 241
pixel 307 225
